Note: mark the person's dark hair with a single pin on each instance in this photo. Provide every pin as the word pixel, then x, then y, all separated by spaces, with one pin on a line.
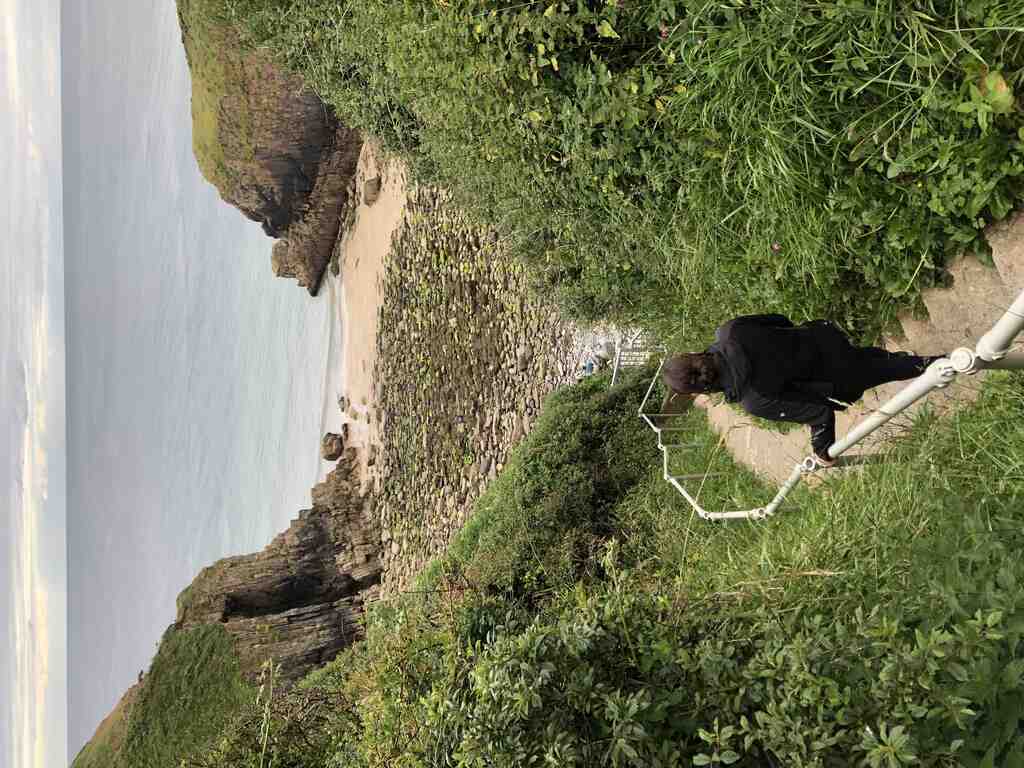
pixel 690 373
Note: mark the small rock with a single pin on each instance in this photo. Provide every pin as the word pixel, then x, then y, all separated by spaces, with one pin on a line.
pixel 523 357
pixel 396 548
pixel 332 446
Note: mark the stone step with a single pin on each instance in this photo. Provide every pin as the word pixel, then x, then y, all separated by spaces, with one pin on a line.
pixel 959 315
pixel 772 455
pixel 1007 240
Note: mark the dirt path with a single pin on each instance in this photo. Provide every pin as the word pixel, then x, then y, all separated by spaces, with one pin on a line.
pixel 958 316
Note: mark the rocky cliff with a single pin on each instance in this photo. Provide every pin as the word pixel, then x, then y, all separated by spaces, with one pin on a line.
pixel 298 601
pixel 268 143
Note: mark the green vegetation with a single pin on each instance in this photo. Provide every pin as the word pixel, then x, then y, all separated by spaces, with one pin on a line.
pixel 544 520
pixel 221 116
pixel 876 621
pixel 670 164
pixel 192 691
pixel 675 162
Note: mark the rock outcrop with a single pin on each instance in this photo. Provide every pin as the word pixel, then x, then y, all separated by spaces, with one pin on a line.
pixel 270 145
pixel 332 445
pixel 299 600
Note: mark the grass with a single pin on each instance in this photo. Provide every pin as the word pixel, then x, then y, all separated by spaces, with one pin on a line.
pixel 221 119
pixel 674 163
pixel 876 620
pixel 562 481
pixel 862 539
pixel 190 694
pixel 925 536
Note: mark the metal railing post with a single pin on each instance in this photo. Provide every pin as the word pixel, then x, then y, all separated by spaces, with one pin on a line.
pixel 996 343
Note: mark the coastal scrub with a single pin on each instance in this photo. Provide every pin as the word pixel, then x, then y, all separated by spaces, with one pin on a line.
pixel 677 162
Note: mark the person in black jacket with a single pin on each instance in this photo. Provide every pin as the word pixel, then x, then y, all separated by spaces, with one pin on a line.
pixel 783 372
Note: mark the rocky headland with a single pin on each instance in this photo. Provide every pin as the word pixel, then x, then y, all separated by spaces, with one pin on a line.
pixel 298 601
pixel 269 144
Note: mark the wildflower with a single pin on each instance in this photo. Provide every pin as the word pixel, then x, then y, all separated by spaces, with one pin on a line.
pixel 664 32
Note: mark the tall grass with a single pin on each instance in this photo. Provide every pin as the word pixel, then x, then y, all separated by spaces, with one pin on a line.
pixel 877 620
pixel 191 692
pixel 673 162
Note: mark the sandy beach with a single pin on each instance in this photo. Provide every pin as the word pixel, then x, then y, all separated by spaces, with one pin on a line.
pixel 355 297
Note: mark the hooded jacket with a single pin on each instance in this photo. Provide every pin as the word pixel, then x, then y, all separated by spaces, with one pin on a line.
pixel 783 372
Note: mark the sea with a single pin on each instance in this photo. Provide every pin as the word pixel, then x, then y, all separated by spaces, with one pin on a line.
pixel 196 381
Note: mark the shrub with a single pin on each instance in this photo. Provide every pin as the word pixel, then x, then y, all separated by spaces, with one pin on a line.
pixel 285 728
pixel 878 622
pixel 539 524
pixel 619 678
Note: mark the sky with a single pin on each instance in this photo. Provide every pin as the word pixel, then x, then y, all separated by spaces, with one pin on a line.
pixel 162 391
pixel 33 653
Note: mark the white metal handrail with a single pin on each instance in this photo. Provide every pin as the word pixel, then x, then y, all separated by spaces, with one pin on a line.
pixel 992 352
pixel 631 348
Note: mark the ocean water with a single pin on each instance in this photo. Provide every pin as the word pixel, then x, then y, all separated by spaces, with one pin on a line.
pixel 195 379
pixel 32 499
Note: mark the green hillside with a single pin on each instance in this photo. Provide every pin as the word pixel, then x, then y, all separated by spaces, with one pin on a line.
pixel 191 691
pixel 670 162
pixel 221 120
pixel 585 617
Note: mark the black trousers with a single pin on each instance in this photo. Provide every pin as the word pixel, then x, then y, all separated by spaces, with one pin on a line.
pixel 862 369
pixel 873 366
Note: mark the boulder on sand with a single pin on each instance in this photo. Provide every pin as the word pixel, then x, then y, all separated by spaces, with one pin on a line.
pixel 332 446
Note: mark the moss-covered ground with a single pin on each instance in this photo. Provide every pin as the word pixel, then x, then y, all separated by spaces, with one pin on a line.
pixel 215 59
